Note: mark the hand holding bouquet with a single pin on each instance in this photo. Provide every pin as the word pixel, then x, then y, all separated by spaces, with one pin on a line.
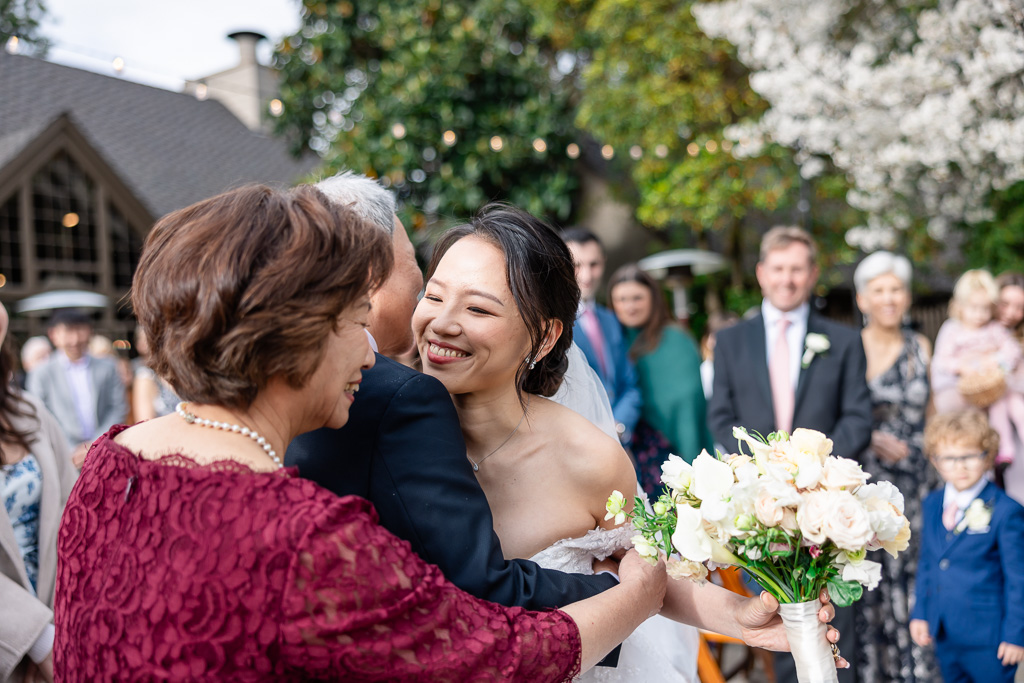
pixel 796 517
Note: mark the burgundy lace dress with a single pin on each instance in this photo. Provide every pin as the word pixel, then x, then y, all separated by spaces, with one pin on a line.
pixel 175 571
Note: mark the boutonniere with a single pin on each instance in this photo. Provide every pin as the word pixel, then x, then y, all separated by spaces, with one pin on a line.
pixel 814 343
pixel 976 517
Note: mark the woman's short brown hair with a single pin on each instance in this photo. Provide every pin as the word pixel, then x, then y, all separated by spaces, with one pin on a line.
pixel 247 285
pixel 966 427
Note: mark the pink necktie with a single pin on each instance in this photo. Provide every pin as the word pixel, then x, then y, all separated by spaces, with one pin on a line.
pixel 949 516
pixel 592 328
pixel 782 383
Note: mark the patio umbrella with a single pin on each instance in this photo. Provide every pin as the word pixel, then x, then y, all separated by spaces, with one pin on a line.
pixel 62 298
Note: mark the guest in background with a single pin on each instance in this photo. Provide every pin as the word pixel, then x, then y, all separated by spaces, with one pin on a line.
pixel 1010 313
pixel 897 376
pixel 36 476
pixel 84 393
pixel 599 335
pixel 152 396
pixel 674 414
pixel 972 350
pixel 970 583
pixel 34 352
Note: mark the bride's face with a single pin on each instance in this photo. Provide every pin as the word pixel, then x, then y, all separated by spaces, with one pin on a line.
pixel 469 332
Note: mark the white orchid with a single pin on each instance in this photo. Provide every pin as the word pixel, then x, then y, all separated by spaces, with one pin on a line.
pixel 712 481
pixel 676 473
pixel 856 568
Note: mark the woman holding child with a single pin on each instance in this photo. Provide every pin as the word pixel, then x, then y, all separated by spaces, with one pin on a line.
pixel 494 326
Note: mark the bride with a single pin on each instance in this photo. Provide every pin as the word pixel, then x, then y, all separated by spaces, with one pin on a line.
pixel 494 326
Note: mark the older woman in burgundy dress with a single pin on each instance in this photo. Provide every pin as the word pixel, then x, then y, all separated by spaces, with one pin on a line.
pixel 187 552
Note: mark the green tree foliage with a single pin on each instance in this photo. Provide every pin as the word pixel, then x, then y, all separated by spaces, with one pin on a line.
pixel 451 103
pixel 21 19
pixel 998 245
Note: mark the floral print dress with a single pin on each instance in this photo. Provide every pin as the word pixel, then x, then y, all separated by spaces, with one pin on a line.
pixel 898 398
pixel 21 488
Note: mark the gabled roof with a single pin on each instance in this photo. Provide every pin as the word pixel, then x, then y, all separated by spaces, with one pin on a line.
pixel 170 149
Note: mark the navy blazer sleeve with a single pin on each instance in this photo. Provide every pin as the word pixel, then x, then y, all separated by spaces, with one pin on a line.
pixel 1011 555
pixel 412 465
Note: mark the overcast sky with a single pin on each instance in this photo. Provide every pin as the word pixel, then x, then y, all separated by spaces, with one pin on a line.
pixel 162 42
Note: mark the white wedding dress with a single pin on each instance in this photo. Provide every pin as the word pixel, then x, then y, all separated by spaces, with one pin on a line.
pixel 661 649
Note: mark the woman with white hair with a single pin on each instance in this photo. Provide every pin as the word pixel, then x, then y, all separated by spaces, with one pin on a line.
pixel 897 375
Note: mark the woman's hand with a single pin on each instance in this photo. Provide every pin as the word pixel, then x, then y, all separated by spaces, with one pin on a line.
pixel 888 447
pixel 650 581
pixel 761 624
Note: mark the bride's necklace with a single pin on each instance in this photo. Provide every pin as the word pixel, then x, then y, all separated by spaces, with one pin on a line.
pixel 477 463
pixel 237 429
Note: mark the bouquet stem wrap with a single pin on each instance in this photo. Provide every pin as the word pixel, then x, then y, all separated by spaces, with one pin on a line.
pixel 812 653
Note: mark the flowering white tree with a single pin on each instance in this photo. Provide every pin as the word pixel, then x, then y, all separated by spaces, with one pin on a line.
pixel 920 104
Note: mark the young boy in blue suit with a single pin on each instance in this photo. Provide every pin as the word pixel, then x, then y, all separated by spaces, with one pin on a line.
pixel 970 575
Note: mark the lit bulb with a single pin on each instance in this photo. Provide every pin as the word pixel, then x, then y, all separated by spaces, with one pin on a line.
pixel 572 151
pixel 449 137
pixel 118 64
pixel 497 143
pixel 540 146
pixel 711 146
pixel 70 220
pixel 693 149
pixel 607 151
pixel 661 151
pixel 202 92
pixel 398 130
pixel 636 152
pixel 276 107
pixel 12 45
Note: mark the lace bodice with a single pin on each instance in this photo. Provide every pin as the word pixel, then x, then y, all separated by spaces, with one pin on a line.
pixel 174 571
pixel 577 555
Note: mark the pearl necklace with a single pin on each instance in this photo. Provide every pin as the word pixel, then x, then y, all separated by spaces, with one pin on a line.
pixel 228 427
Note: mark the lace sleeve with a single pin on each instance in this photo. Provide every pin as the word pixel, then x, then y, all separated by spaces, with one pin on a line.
pixel 359 602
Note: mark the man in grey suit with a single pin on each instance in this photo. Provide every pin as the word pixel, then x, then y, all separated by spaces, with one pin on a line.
pixel 83 392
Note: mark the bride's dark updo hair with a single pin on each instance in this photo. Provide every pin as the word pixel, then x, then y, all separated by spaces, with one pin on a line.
pixel 542 279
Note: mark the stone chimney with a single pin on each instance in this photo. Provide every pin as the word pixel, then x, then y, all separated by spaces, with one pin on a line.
pixel 247 89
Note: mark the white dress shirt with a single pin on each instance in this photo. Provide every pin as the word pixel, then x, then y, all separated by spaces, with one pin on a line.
pixel 794 334
pixel 82 392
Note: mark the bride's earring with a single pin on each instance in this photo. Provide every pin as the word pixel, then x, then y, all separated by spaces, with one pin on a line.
pixel 532 362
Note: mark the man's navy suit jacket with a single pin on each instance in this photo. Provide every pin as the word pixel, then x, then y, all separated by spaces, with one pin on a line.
pixel 403 450
pixel 832 394
pixel 971 583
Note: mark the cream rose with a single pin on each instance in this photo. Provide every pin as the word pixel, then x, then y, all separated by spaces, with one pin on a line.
pixel 847 523
pixel 900 542
pixel 812 515
pixel 843 473
pixel 767 509
pixel 811 442
pixel 685 569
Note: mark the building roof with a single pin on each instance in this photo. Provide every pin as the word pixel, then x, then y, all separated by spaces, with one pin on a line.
pixel 171 149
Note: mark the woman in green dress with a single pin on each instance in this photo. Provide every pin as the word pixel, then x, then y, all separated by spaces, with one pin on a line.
pixel 674 417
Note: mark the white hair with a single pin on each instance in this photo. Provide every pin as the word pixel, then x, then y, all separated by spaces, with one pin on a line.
pixel 881 263
pixel 35 347
pixel 363 195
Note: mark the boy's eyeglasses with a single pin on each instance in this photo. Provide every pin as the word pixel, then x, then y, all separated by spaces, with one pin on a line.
pixel 948 462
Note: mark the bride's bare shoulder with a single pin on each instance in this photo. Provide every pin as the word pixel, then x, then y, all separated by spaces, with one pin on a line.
pixel 584 450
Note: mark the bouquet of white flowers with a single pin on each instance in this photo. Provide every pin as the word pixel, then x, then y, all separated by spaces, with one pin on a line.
pixel 796 517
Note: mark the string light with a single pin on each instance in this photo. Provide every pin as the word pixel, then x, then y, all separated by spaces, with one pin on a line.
pixel 661 151
pixel 726 145
pixel 693 149
pixel 118 64
pixel 12 45
pixel 711 146
pixel 202 92
pixel 636 152
pixel 3 280
pixel 398 130
pixel 276 107
pixel 608 152
pixel 572 151
pixel 70 220
pixel 540 146
pixel 449 137
pixel 497 143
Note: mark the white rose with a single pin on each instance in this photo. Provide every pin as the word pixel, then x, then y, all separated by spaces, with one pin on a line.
pixel 676 473
pixel 767 509
pixel 811 516
pixel 811 442
pixel 848 524
pixel 884 490
pixel 900 542
pixel 843 473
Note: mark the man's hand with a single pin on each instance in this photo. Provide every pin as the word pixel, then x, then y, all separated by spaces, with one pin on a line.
pixel 1009 654
pixel 78 455
pixel 761 624
pixel 919 633
pixel 650 580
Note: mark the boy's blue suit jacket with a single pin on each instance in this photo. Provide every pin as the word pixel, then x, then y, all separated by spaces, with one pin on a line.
pixel 971 584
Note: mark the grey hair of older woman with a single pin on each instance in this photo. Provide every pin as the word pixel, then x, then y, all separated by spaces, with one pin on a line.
pixel 881 263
